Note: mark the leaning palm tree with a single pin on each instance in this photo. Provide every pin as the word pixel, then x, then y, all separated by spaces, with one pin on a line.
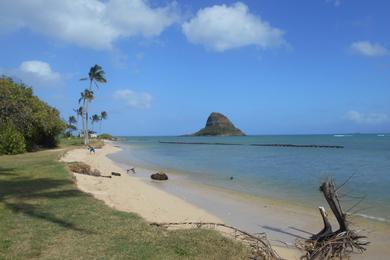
pixel 96 75
pixel 86 97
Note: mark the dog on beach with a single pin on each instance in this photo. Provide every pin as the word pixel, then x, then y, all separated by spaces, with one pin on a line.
pixel 91 149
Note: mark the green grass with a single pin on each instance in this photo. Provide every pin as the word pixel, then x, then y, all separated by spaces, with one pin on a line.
pixel 76 141
pixel 43 215
pixel 70 141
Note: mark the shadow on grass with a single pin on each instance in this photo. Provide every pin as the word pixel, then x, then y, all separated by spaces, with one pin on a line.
pixel 36 212
pixel 6 171
pixel 21 194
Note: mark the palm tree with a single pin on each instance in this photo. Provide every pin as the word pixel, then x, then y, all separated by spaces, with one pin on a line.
pixel 71 125
pixel 86 97
pixel 96 75
pixel 103 116
pixel 95 118
pixel 72 120
pixel 80 112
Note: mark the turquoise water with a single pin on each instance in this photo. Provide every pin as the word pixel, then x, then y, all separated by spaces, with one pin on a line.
pixel 286 173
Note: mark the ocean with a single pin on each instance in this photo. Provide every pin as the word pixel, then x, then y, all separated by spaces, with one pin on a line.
pixel 291 174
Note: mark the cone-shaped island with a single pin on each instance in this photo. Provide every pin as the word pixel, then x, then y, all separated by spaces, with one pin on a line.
pixel 218 124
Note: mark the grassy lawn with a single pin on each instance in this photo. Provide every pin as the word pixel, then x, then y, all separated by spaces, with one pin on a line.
pixel 43 215
pixel 75 141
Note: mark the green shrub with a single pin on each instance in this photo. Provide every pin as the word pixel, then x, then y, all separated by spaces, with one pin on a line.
pixel 106 137
pixel 11 141
pixel 39 123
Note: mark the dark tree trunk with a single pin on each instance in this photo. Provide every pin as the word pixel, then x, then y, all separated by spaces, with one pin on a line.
pixel 327 230
pixel 329 190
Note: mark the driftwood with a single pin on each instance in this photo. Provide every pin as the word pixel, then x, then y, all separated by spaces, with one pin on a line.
pixel 328 244
pixel 83 168
pixel 258 243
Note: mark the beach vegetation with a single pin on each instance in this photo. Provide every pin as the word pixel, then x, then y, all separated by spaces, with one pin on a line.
pixel 38 123
pixel 11 140
pixel 103 116
pixel 96 76
pixel 106 136
pixel 71 126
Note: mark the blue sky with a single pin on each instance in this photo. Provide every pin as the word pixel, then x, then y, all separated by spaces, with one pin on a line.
pixel 271 66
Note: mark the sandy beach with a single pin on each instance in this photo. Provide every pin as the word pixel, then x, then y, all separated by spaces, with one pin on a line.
pixel 176 201
pixel 130 193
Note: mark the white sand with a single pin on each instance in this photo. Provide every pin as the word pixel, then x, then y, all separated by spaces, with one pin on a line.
pixel 131 194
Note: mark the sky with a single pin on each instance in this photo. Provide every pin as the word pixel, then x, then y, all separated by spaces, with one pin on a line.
pixel 271 66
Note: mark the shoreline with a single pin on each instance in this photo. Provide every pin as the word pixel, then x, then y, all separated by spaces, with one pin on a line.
pixel 131 194
pixel 281 222
pixel 270 197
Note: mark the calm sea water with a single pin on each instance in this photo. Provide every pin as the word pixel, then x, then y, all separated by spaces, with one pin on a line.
pixel 286 173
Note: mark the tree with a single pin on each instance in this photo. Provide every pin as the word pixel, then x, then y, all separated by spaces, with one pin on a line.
pixel 39 123
pixel 85 97
pixel 95 118
pixel 11 140
pixel 80 113
pixel 103 116
pixel 71 126
pixel 96 75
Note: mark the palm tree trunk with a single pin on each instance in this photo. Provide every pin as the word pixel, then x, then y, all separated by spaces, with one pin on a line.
pixel 83 123
pixel 86 116
pixel 86 125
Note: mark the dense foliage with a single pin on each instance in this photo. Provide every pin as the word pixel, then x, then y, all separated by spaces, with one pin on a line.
pixel 11 140
pixel 36 121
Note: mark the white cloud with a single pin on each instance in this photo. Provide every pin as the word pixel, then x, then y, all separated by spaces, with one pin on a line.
pixel 367 48
pixel 133 98
pixel 367 118
pixel 39 69
pixel 223 27
pixel 35 73
pixel 87 23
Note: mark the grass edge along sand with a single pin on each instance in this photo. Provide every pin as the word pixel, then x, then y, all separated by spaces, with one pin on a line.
pixel 44 215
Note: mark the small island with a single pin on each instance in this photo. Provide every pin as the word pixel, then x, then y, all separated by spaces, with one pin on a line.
pixel 219 125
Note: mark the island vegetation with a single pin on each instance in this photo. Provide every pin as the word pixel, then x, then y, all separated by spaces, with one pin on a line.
pixel 219 125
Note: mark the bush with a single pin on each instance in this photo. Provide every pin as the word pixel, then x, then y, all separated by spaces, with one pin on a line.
pixel 39 123
pixel 11 141
pixel 107 137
